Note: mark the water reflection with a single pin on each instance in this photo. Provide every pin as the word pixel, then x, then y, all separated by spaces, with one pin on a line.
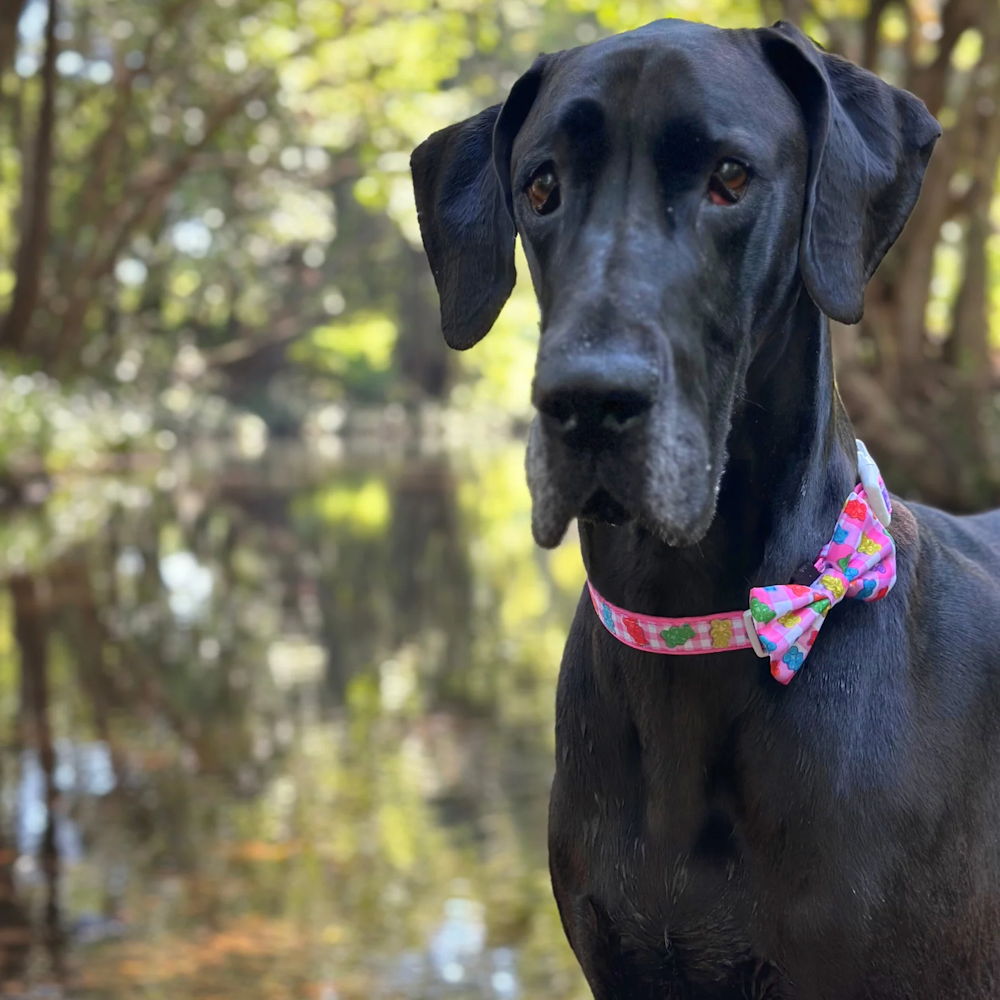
pixel 283 731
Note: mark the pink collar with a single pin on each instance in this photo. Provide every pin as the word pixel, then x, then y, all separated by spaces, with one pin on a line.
pixel 782 621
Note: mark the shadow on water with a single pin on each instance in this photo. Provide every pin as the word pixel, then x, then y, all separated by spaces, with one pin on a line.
pixel 281 730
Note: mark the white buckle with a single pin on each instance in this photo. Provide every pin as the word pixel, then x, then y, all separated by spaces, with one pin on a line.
pixel 752 634
pixel 869 475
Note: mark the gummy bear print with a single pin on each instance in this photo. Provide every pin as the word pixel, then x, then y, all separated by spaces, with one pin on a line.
pixel 868 546
pixel 833 584
pixel 856 510
pixel 793 658
pixel 840 536
pixel 867 590
pixel 721 631
pixel 760 611
pixel 634 629
pixel 791 619
pixel 609 619
pixel 677 635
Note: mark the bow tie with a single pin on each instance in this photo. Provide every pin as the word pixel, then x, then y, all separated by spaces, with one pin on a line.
pixel 859 562
pixel 783 621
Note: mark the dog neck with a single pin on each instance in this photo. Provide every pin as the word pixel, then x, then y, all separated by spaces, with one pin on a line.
pixel 792 462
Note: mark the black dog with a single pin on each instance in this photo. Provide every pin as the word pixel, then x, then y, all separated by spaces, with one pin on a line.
pixel 693 203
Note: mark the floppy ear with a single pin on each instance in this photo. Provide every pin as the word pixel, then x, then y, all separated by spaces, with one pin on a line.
pixel 869 144
pixel 461 179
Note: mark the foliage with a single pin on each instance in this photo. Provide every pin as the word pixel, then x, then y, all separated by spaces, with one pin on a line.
pixel 228 205
pixel 47 431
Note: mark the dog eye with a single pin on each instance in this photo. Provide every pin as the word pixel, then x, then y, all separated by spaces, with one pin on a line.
pixel 728 183
pixel 543 192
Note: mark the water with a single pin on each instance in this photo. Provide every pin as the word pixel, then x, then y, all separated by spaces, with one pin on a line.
pixel 286 732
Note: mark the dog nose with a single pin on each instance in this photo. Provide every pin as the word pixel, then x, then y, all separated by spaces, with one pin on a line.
pixel 595 394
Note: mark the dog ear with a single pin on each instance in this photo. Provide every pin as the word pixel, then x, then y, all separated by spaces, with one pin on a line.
pixel 869 144
pixel 461 179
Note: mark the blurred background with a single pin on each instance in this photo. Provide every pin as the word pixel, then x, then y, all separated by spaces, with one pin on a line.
pixel 277 654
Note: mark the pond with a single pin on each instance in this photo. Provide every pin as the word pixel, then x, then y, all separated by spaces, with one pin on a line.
pixel 284 730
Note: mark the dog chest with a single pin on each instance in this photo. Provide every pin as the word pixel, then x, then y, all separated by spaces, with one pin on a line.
pixel 665 928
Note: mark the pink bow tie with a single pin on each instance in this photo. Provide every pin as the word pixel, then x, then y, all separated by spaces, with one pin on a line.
pixel 858 562
pixel 782 621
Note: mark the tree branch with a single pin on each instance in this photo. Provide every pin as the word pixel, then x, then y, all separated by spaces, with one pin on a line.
pixel 106 146
pixel 929 82
pixel 139 207
pixel 869 45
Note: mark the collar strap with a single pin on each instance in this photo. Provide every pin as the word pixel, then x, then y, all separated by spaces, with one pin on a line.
pixel 782 621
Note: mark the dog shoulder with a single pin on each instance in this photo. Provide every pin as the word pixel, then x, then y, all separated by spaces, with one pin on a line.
pixel 949 545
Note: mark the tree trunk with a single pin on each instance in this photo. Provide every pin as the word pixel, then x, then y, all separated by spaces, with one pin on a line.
pixel 10 15
pixel 34 215
pixel 925 408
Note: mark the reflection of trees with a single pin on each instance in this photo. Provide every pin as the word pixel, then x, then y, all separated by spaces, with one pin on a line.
pixel 384 588
pixel 31 632
pixel 432 584
pixel 337 814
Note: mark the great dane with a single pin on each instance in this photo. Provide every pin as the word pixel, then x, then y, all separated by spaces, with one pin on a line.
pixel 693 204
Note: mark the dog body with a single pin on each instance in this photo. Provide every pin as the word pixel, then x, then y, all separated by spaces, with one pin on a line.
pixel 693 203
pixel 713 835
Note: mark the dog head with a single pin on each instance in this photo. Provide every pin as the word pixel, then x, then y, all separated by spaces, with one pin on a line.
pixel 675 188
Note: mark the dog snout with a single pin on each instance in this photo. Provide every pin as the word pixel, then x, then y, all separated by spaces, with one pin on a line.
pixel 589 398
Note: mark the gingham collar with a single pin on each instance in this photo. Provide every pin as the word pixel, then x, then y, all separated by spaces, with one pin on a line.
pixel 782 621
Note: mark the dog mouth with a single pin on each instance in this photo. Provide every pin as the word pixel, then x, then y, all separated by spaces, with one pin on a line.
pixel 602 508
pixel 669 490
